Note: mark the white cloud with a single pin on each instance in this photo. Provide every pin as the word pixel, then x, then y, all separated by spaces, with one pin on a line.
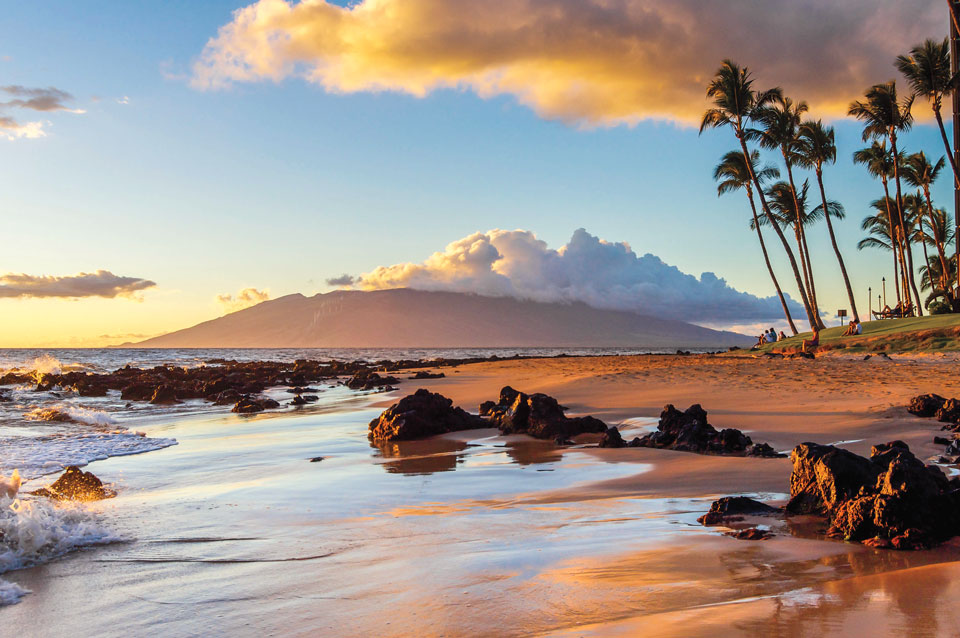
pixel 101 283
pixel 600 273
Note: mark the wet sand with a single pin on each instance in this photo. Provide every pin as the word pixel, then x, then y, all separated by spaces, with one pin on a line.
pixel 234 531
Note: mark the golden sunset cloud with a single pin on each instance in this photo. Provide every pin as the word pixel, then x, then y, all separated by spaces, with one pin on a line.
pixel 589 62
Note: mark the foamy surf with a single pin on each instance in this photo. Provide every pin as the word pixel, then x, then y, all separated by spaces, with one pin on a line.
pixel 37 531
pixel 38 455
pixel 71 414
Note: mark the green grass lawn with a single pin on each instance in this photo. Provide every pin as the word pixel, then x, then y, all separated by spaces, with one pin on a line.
pixel 887 335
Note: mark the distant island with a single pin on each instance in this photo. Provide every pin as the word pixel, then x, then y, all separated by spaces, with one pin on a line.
pixel 406 318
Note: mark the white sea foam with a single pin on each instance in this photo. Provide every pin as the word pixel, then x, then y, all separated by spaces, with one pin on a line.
pixel 46 364
pixel 71 413
pixel 11 593
pixel 39 455
pixel 37 531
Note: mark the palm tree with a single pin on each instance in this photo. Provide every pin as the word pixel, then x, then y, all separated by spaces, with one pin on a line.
pixel 927 69
pixel 879 162
pixel 778 131
pixel 916 207
pixel 918 172
pixel 884 116
pixel 734 103
pixel 883 233
pixel 942 232
pixel 818 147
pixel 789 209
pixel 732 173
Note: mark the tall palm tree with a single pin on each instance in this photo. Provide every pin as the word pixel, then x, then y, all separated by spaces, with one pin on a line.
pixel 927 69
pixel 818 147
pixel 882 232
pixel 916 208
pixel 734 103
pixel 920 173
pixel 932 278
pixel 789 209
pixel 778 124
pixel 879 162
pixel 732 173
pixel 884 116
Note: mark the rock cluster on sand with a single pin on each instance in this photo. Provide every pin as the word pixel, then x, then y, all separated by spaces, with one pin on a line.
pixel 75 485
pixel 249 405
pixel 428 375
pixel 538 415
pixel 891 499
pixel 419 415
pixel 689 431
pixel 368 380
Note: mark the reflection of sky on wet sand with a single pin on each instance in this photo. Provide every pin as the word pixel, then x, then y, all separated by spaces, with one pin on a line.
pixel 237 532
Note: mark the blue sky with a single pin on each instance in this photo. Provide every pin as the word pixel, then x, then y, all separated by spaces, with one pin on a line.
pixel 280 185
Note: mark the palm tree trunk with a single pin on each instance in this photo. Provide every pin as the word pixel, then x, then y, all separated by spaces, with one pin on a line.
pixel 906 237
pixel 836 249
pixel 776 227
pixel 944 272
pixel 926 258
pixel 894 239
pixel 946 145
pixel 802 243
pixel 766 258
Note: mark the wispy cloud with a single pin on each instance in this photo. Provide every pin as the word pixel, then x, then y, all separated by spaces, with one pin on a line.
pixel 599 273
pixel 243 299
pixel 101 283
pixel 593 62
pixel 43 100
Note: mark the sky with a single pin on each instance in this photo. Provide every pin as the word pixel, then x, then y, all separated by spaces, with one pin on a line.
pixel 166 162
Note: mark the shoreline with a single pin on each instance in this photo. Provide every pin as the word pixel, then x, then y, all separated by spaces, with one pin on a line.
pixel 507 523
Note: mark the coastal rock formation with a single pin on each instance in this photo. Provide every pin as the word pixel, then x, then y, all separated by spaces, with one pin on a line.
pixel 949 412
pixel 366 380
pixel 249 405
pixel 428 375
pixel 926 405
pixel 419 415
pixel 889 500
pixel 538 415
pixel 732 508
pixel 751 534
pixel 75 485
pixel 612 438
pixel 689 431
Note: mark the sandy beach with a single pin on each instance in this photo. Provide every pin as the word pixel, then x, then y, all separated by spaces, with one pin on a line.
pixel 234 532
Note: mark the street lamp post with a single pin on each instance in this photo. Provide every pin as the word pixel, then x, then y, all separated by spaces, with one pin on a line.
pixel 884 280
pixel 869 302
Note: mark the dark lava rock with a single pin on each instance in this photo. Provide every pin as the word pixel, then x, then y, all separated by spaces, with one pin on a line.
pixel 366 380
pixel 939 440
pixel 689 432
pixel 316 459
pixel 419 415
pixel 764 450
pixel 612 438
pixel 75 485
pixel 891 499
pixel 538 415
pixel 428 375
pixel 249 405
pixel 926 405
pixel 164 395
pixel 752 534
pixel 732 507
pixel 137 392
pixel 226 397
pixel 299 390
pixel 949 412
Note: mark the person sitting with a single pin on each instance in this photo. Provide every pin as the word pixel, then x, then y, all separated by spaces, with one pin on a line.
pixel 810 344
pixel 781 336
pixel 760 342
pixel 771 336
pixel 853 329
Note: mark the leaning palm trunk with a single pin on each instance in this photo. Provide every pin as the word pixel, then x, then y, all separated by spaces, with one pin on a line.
pixel 802 247
pixel 906 238
pixel 894 239
pixel 776 228
pixel 766 258
pixel 944 270
pixel 836 249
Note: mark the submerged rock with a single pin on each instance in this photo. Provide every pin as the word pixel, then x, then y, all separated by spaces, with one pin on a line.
pixel 366 380
pixel 732 508
pixel 249 405
pixel 75 485
pixel 891 499
pixel 419 415
pixel 538 415
pixel 751 534
pixel 689 431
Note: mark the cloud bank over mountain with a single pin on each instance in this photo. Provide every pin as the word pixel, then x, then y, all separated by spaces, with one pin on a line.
pixel 243 299
pixel 592 62
pixel 603 274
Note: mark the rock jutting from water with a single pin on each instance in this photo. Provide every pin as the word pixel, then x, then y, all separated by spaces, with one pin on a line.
pixel 538 415
pixel 420 415
pixel 75 485
pixel 891 499
pixel 689 431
